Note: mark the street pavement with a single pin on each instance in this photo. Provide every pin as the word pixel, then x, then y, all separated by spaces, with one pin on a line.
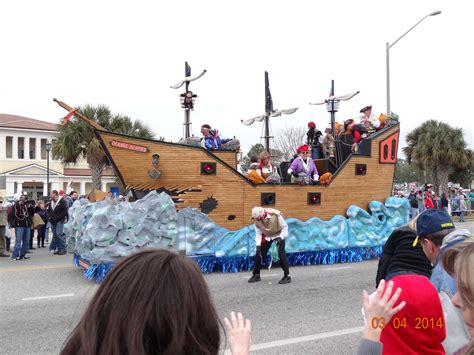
pixel 43 298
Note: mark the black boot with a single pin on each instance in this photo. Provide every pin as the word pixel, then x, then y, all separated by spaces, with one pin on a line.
pixel 254 278
pixel 285 280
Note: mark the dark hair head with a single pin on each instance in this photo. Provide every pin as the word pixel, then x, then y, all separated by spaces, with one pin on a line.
pixel 152 302
pixel 72 193
pixel 347 123
pixel 437 237
pixel 54 192
pixel 253 159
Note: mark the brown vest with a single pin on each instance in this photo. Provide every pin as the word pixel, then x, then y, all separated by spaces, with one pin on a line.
pixel 269 226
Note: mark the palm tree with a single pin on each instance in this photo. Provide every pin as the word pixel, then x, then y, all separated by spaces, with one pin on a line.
pixel 440 147
pixel 77 140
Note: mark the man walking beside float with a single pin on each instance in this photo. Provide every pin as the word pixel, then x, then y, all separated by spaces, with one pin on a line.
pixel 269 227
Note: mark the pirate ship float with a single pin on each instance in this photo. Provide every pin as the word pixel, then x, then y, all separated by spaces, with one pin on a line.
pixel 209 180
pixel 208 184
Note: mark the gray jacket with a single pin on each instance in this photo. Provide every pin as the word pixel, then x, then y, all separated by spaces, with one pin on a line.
pixel 369 347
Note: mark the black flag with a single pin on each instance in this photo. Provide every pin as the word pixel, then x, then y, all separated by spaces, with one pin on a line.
pixel 187 69
pixel 268 95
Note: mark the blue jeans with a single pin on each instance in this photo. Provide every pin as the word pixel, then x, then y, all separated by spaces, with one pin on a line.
pixel 59 238
pixel 413 212
pixel 316 153
pixel 48 227
pixel 461 217
pixel 22 242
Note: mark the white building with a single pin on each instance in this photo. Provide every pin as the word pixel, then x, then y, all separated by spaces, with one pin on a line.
pixel 23 161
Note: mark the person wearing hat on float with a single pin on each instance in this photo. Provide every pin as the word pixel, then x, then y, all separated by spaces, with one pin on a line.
pixel 436 233
pixel 314 139
pixel 369 121
pixel 303 169
pixel 211 139
pixel 328 144
pixel 205 133
pixel 269 227
pixel 358 131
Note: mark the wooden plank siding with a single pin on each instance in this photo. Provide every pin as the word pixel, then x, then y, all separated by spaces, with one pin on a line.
pixel 180 166
pixel 227 156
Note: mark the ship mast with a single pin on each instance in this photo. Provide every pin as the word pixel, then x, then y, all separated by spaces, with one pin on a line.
pixel 332 106
pixel 269 112
pixel 187 98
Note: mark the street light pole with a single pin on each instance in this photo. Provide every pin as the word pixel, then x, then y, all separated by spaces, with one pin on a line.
pixel 48 149
pixel 387 51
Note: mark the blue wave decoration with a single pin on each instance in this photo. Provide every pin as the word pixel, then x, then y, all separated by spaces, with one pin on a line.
pixel 360 229
pixel 358 237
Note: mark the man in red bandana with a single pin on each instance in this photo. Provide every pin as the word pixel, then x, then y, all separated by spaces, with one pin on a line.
pixel 269 227
pixel 303 169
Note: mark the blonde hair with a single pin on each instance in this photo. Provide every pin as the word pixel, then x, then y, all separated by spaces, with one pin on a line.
pixel 458 261
pixel 264 154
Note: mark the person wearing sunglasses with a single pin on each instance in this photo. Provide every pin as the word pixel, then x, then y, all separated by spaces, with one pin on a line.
pixel 303 169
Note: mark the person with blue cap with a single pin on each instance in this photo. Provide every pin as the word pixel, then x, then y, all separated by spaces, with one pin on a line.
pixel 436 233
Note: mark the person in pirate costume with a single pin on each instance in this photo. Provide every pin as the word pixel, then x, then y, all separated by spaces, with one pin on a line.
pixel 269 227
pixel 358 131
pixel 314 139
pixel 303 169
pixel 368 120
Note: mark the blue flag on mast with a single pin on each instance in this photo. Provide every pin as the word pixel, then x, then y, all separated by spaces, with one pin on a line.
pixel 187 70
pixel 268 95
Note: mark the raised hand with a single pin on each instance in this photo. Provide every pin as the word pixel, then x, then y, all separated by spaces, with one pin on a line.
pixel 381 308
pixel 238 333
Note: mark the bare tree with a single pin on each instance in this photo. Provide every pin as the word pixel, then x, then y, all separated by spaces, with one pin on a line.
pixel 289 139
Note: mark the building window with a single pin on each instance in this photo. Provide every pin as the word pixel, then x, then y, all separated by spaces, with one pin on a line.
pixel 32 148
pixel 43 148
pixel 9 147
pixel 53 143
pixel 21 148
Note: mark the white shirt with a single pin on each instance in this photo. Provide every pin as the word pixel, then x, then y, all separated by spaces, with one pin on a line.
pixel 55 203
pixel 283 233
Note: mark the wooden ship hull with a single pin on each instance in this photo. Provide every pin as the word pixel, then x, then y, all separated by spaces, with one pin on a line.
pixel 209 180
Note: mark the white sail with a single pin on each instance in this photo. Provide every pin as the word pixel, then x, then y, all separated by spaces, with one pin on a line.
pixel 250 121
pixel 335 98
pixel 287 111
pixel 188 78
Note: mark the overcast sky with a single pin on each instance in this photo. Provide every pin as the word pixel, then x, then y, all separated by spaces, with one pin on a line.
pixel 126 54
